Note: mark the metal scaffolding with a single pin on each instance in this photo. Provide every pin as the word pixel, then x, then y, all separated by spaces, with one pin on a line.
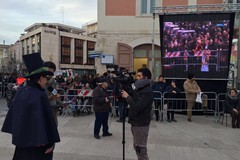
pixel 205 8
pixel 198 9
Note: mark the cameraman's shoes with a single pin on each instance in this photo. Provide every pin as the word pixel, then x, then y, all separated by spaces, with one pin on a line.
pixel 107 134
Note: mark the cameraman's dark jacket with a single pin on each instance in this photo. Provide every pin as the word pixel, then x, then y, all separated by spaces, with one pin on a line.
pixel 141 105
pixel 99 103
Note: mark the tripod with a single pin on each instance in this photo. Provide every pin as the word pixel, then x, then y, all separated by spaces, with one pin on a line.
pixel 123 134
pixel 122 110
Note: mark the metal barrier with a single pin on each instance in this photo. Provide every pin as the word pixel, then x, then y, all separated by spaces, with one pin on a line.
pixel 221 107
pixel 1 89
pixel 157 104
pixel 214 101
pixel 80 99
pixel 179 103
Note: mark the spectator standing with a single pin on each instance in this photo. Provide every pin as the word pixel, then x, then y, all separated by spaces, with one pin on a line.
pixel 159 85
pixel 140 111
pixel 102 107
pixel 191 90
pixel 172 90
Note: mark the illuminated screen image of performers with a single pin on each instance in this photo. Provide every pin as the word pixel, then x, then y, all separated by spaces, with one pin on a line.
pixel 196 43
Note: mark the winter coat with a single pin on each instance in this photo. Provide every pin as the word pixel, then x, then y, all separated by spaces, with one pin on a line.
pixel 99 102
pixel 140 106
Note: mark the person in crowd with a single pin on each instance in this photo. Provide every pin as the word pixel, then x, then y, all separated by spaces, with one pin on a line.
pixel 60 79
pixel 159 85
pixel 77 80
pixel 233 106
pixel 140 111
pixel 30 119
pixel 191 89
pixel 54 100
pixel 102 107
pixel 172 90
pixel 205 61
pixel 84 101
pixel 69 81
pixel 185 59
pixel 72 97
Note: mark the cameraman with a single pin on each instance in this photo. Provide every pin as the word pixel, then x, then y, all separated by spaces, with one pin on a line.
pixel 140 111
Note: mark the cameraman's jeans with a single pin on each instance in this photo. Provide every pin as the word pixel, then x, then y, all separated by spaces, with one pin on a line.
pixel 140 137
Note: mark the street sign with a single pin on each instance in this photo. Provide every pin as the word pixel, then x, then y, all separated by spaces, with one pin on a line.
pixel 94 54
pixel 107 59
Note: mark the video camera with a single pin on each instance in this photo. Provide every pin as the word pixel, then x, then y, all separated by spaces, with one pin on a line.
pixel 123 79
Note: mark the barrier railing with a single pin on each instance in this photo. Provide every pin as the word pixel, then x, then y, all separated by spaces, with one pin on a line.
pixel 81 99
pixel 1 89
pixel 221 106
pixel 178 102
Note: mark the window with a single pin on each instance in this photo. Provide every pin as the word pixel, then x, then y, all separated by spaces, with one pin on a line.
pixel 33 44
pixel 78 51
pixel 90 47
pixel 23 50
pixel 65 50
pixel 39 43
pixel 147 6
pixel 230 1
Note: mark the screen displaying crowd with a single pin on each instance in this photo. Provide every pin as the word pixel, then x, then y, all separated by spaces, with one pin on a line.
pixel 196 43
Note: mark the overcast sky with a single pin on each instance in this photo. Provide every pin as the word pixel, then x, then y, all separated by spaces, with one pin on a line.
pixel 17 15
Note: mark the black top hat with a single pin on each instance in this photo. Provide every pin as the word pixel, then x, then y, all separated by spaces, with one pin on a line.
pixel 34 65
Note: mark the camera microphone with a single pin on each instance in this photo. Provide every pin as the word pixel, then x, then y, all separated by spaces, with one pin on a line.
pixel 52 90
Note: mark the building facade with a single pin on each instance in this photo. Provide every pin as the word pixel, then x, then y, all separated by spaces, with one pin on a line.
pixel 4 51
pixel 91 28
pixel 65 45
pixel 125 30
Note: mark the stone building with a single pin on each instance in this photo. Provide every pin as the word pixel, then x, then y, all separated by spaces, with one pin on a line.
pixel 65 45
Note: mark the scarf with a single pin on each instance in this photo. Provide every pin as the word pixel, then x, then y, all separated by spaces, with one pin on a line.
pixel 141 83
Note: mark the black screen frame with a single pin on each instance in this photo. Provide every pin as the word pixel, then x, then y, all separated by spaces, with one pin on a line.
pixel 200 17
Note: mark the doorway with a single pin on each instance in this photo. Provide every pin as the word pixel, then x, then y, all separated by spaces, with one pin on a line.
pixel 140 63
pixel 143 57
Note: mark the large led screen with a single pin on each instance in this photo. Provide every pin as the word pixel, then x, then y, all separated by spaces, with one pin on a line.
pixel 196 43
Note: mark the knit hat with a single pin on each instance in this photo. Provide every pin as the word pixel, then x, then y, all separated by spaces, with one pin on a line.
pixel 190 75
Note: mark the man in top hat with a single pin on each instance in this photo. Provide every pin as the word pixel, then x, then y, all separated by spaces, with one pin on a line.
pixel 102 107
pixel 30 119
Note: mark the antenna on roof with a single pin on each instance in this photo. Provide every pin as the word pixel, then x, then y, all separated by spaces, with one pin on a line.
pixel 62 15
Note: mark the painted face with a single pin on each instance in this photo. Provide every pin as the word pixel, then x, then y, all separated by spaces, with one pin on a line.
pixel 43 81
